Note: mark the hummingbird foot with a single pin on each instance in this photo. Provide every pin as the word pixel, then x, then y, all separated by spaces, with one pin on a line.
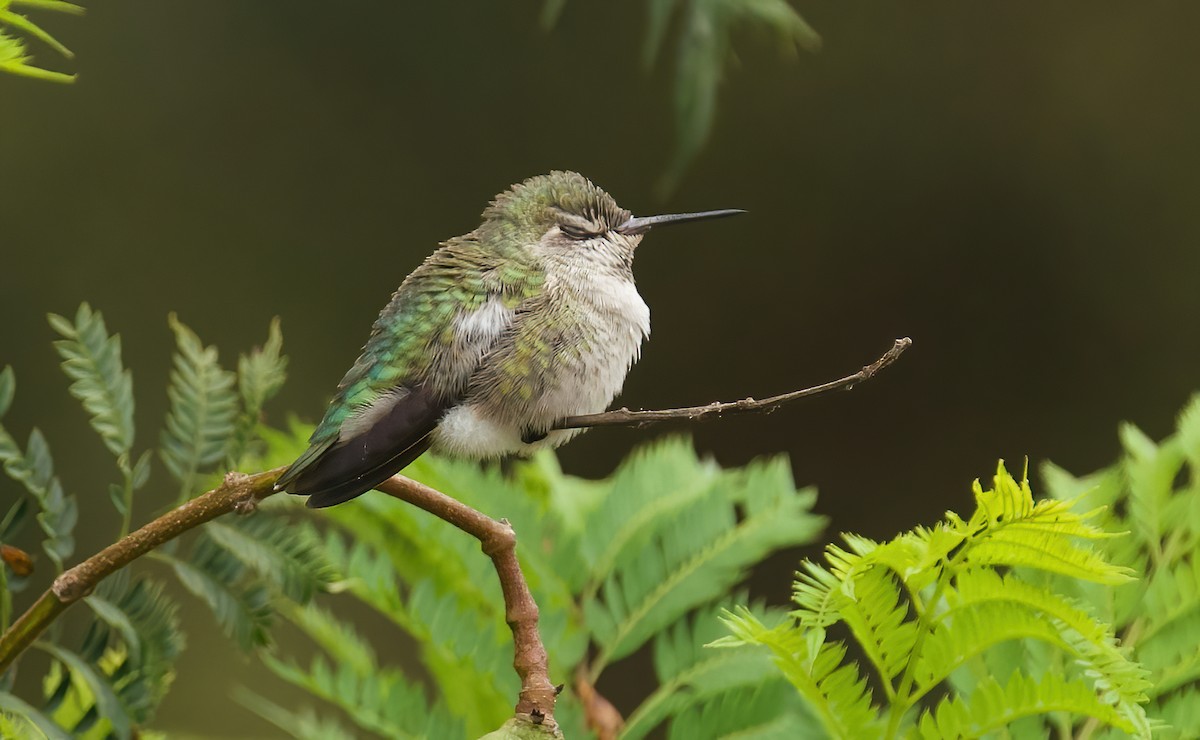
pixel 529 436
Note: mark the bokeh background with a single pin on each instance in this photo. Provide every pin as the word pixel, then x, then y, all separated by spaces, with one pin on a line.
pixel 1015 186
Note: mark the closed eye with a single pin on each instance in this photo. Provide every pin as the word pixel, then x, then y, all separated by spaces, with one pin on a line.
pixel 578 231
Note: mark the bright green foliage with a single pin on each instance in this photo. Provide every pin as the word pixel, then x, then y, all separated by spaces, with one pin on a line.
pixel 941 607
pixel 14 56
pixel 204 410
pixel 110 682
pixel 703 48
pixel 645 557
pixel 1153 492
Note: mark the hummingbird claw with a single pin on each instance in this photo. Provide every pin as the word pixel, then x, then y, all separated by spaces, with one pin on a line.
pixel 529 436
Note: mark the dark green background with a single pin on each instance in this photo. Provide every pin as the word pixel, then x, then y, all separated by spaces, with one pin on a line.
pixel 1014 185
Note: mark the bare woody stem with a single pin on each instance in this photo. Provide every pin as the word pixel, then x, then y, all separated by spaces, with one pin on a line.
pixel 498 542
pixel 625 418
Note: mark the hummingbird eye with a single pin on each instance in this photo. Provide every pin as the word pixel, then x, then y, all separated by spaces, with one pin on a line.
pixel 578 231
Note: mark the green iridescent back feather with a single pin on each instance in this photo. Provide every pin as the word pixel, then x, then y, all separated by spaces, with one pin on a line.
pixel 458 278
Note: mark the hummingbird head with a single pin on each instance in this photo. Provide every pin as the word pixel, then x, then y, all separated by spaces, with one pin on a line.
pixel 565 213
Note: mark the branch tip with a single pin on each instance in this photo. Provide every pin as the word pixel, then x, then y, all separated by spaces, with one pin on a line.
pixel 623 417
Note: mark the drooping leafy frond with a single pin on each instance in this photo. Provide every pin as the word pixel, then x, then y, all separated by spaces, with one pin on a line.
pixel 33 468
pixel 932 603
pixel 204 408
pixel 703 50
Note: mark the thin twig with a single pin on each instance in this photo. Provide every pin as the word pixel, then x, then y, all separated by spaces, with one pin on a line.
pixel 499 542
pixel 625 418
pixel 237 491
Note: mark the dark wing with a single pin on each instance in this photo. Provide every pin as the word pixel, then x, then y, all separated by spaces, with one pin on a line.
pixel 340 470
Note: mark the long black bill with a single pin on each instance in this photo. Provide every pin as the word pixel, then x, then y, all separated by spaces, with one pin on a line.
pixel 639 225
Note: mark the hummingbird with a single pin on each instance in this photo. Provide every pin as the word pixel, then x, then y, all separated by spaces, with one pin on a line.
pixel 497 336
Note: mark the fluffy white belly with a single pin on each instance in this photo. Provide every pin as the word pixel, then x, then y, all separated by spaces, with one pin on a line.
pixel 619 321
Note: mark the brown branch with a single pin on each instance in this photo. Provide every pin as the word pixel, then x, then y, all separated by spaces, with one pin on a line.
pixel 237 491
pixel 625 418
pixel 499 542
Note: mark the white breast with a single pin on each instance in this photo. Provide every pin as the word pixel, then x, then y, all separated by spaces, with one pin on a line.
pixel 616 321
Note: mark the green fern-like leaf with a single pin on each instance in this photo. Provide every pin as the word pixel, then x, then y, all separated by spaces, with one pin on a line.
pixel 932 603
pixel 837 694
pixel 92 360
pixel 698 555
pixel 204 407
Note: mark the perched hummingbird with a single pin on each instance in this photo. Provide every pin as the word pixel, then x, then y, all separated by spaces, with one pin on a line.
pixel 498 335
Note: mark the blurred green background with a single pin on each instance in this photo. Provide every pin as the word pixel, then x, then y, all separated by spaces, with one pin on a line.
pixel 1014 186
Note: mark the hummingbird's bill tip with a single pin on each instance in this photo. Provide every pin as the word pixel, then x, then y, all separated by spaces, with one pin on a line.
pixel 637 225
